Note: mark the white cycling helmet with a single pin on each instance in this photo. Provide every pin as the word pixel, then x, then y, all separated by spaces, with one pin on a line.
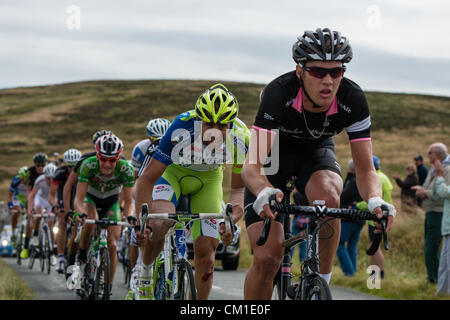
pixel 50 170
pixel 71 157
pixel 156 128
pixel 109 146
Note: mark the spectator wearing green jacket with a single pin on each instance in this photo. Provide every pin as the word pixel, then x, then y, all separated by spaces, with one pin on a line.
pixel 386 185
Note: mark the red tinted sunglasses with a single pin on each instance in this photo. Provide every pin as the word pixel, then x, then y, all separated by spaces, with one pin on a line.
pixel 320 73
pixel 105 159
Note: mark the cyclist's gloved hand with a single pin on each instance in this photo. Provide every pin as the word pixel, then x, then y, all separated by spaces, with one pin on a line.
pixel 68 216
pixel 80 217
pixel 132 220
pixel 374 204
pixel 263 198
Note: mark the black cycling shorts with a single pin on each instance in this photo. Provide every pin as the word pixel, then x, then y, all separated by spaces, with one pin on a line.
pixel 302 166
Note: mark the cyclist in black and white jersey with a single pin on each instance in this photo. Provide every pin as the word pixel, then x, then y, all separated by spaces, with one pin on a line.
pixel 56 200
pixel 144 149
pixel 303 110
pixel 140 157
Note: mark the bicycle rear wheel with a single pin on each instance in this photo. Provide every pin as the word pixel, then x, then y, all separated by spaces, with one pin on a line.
pixel 316 288
pixel 186 283
pixel 161 287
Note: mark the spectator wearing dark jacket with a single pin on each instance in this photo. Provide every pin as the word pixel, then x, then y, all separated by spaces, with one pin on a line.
pixel 422 171
pixel 348 245
pixel 408 195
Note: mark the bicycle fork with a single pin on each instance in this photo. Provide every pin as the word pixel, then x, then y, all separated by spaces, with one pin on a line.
pixel 312 262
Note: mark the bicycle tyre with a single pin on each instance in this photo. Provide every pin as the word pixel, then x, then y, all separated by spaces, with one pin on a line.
pixel 48 250
pixel 102 273
pixel 19 245
pixel 186 283
pixel 32 257
pixel 276 295
pixel 316 286
pixel 160 287
pixel 42 254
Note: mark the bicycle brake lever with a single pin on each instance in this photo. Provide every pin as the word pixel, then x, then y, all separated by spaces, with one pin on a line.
pixel 229 219
pixel 143 217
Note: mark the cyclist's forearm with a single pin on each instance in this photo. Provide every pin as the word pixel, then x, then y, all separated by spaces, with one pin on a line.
pixel 254 180
pixel 128 207
pixel 369 185
pixel 237 202
pixel 67 191
pixel 144 190
pixel 10 197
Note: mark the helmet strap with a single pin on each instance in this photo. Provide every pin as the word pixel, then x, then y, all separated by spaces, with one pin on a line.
pixel 315 106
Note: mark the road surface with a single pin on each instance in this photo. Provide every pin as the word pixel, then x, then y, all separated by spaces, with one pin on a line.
pixel 228 285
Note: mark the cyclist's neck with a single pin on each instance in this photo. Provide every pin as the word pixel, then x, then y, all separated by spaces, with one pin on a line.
pixel 310 106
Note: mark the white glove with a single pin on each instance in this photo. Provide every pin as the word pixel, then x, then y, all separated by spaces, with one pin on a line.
pixel 263 198
pixel 376 202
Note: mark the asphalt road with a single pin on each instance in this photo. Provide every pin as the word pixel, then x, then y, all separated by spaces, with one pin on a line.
pixel 228 285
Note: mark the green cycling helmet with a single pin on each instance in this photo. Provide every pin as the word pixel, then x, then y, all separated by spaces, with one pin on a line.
pixel 217 105
pixel 23 172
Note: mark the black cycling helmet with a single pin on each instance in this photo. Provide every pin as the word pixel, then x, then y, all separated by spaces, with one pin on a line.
pixel 323 45
pixel 40 158
pixel 98 134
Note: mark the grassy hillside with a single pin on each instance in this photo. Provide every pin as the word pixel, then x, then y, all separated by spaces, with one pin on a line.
pixel 55 118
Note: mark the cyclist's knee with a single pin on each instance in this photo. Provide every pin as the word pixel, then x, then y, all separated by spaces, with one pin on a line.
pixel 266 264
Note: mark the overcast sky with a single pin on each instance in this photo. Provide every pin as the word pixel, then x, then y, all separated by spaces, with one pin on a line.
pixel 398 46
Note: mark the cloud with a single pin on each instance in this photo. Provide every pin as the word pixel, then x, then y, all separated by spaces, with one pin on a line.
pixel 240 41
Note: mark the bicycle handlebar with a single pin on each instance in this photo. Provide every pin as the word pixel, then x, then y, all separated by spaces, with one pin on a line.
pixel 103 223
pixel 43 215
pixel 184 216
pixel 320 211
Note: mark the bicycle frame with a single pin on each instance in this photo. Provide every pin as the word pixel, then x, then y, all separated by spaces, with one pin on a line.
pixel 174 250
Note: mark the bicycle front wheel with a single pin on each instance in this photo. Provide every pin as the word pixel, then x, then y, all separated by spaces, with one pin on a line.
pixel 19 244
pixel 32 257
pixel 48 251
pixel 186 283
pixel 161 287
pixel 102 276
pixel 42 252
pixel 316 288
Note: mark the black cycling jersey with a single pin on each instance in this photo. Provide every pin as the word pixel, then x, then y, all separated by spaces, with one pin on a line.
pixel 281 109
pixel 61 176
pixel 83 157
pixel 306 139
pixel 33 176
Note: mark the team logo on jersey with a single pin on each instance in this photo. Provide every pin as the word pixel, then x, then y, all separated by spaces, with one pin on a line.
pixel 344 107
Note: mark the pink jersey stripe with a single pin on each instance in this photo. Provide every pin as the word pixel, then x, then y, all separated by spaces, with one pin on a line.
pixel 262 129
pixel 361 139
pixel 298 102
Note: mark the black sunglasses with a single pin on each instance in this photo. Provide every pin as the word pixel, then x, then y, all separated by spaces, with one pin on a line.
pixel 320 73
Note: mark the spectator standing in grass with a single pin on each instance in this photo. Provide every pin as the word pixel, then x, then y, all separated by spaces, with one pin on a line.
pixel 350 230
pixel 422 171
pixel 441 190
pixel 433 209
pixel 408 195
